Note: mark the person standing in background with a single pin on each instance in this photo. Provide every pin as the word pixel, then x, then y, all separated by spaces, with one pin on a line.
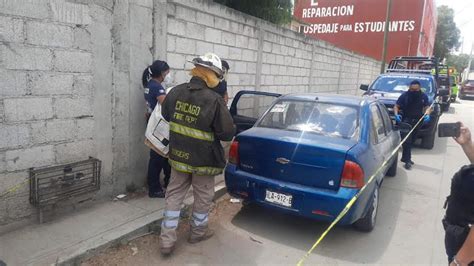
pixel 411 106
pixel 155 94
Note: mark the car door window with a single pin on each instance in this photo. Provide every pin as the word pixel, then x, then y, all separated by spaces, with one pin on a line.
pixel 377 124
pixel 386 119
pixel 253 106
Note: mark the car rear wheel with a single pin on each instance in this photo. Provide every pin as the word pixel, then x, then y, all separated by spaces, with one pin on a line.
pixel 445 107
pixel 392 171
pixel 367 223
pixel 428 141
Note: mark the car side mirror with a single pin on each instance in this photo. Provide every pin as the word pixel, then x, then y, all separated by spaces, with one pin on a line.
pixel 364 87
pixel 443 92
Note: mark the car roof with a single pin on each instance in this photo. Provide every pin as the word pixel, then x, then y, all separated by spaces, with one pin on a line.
pixel 330 98
pixel 409 75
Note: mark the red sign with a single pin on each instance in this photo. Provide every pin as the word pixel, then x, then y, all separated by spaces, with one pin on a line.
pixel 358 25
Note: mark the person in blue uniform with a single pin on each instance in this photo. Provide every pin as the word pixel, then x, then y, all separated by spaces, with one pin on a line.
pixel 222 87
pixel 155 94
pixel 410 107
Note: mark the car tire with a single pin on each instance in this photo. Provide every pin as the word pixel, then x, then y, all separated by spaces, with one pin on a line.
pixel 428 141
pixel 445 107
pixel 392 171
pixel 367 223
pixel 246 204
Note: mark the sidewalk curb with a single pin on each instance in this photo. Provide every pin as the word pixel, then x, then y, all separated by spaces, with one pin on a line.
pixel 151 227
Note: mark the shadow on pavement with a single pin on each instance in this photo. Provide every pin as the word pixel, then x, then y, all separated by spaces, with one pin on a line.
pixel 343 242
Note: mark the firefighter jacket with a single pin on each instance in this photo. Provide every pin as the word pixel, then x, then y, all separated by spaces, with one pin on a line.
pixel 199 120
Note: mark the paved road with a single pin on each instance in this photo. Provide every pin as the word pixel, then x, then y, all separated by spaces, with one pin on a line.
pixel 408 229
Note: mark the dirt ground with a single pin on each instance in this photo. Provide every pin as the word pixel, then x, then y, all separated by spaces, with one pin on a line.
pixel 145 250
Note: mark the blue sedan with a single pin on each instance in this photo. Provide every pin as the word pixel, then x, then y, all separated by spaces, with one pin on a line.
pixel 309 154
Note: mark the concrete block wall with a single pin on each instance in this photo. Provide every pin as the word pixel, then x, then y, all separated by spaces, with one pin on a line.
pixel 70 78
pixel 262 56
pixel 46 92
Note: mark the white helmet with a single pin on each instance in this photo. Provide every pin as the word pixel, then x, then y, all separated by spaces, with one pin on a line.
pixel 210 61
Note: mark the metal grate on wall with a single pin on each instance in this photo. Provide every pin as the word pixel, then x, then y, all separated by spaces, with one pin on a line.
pixel 51 185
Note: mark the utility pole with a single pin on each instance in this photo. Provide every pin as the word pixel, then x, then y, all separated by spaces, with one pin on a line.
pixel 385 35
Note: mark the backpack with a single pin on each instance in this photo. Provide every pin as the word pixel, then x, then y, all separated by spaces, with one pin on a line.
pixel 459 204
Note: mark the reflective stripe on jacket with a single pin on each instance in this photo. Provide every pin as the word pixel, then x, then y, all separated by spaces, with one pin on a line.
pixel 199 120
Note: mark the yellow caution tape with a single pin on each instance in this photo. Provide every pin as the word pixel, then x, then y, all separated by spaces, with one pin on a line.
pixel 356 196
pixel 14 188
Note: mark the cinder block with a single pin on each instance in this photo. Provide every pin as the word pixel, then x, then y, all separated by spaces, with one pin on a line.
pixel 67 61
pixel 213 35
pixel 171 43
pixel 75 151
pixel 194 31
pixel 266 69
pixel 228 38
pixel 82 39
pixel 176 27
pixel 252 68
pixel 221 51
pixel 282 70
pixel 253 44
pixel 26 58
pixel 280 60
pixel 25 8
pixel 85 128
pixel 73 107
pixel 221 23
pixel 42 83
pixel 205 19
pixel 176 61
pixel 267 47
pixel 241 41
pixel 235 53
pixel 11 29
pixel 68 12
pixel 83 86
pixel 32 157
pixel 240 67
pixel 24 109
pixel 52 131
pixel 185 13
pixel 49 34
pixel 19 207
pixel 185 46
pixel 274 69
pixel 12 136
pixel 204 47
pixel 12 83
pixel 249 55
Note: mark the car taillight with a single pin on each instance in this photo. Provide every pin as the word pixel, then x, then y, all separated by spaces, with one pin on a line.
pixel 352 175
pixel 234 153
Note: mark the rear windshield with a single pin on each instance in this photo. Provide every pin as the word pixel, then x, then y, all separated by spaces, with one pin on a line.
pixel 320 118
pixel 401 83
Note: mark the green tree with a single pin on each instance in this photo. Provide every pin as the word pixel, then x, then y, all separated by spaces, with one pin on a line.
pixel 275 11
pixel 447 33
pixel 459 62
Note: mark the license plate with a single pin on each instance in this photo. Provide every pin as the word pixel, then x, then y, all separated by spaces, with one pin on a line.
pixel 278 198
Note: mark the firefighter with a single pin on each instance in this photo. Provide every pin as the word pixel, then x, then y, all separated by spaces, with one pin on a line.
pixel 199 120
pixel 155 94
pixel 410 107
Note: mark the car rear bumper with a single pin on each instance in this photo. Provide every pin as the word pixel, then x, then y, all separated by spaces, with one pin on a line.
pixel 319 204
